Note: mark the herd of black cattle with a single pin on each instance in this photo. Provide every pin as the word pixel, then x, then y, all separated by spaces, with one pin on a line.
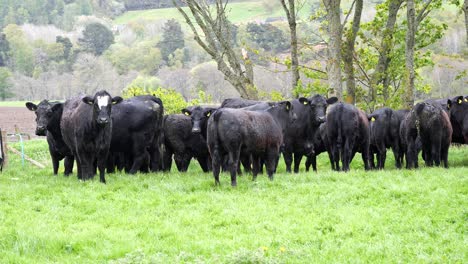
pixel 108 133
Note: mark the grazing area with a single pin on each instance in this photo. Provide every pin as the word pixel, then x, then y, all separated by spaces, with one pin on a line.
pixel 375 216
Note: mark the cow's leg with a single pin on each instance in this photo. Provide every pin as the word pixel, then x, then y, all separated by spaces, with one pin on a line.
pixel 68 164
pixel 233 163
pixel 396 154
pixel 255 166
pixel 444 155
pixel 297 161
pixel 55 163
pixel 101 164
pixel 139 157
pixel 246 163
pixel 427 153
pixel 287 156
pixel 111 162
pixel 411 155
pixel 308 162
pixel 182 161
pixel 313 159
pixel 167 159
pixel 371 157
pixel 383 156
pixel 436 149
pixel 346 154
pixel 203 161
pixel 270 161
pixel 216 162
pixel 87 165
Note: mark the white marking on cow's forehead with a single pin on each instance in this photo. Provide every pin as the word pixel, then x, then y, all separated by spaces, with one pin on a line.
pixel 102 101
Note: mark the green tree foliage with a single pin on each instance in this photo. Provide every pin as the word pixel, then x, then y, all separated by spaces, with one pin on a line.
pixel 5 91
pixel 371 39
pixel 172 39
pixel 4 49
pixel 142 57
pixel 173 101
pixel 268 37
pixel 20 52
pixel 67 46
pixel 96 39
pixel 41 11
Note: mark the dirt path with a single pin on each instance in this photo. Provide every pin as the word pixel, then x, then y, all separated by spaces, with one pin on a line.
pixel 20 117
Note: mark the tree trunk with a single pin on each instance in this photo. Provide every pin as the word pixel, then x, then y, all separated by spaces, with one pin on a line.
pixel 348 52
pixel 410 40
pixel 465 10
pixel 334 48
pixel 380 75
pixel 211 36
pixel 291 15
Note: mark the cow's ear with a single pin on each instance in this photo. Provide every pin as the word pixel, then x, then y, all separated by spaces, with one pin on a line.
pixel 88 100
pixel 449 104
pixel 466 99
pixel 209 112
pixel 332 100
pixel 288 105
pixel 117 99
pixel 56 107
pixel 304 100
pixel 186 112
pixel 31 106
pixel 459 100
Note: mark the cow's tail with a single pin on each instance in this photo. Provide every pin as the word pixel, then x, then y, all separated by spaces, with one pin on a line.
pixel 216 117
pixel 339 124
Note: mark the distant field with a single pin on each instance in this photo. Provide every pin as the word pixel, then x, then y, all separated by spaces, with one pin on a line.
pixel 391 216
pixel 12 103
pixel 237 12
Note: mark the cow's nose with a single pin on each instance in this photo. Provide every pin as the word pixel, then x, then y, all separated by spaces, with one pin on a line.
pixel 103 120
pixel 40 128
pixel 294 117
pixel 321 119
pixel 195 130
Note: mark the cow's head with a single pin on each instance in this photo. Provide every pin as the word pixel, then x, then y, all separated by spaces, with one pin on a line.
pixel 102 106
pixel 199 117
pixel 281 112
pixel 318 105
pixel 46 113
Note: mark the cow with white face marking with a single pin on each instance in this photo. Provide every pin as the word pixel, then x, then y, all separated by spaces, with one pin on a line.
pixel 87 130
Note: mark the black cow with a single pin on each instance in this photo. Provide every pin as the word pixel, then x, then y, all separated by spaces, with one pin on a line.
pixel 458 111
pixel 87 130
pixel 238 103
pixel 308 114
pixel 432 124
pixel 136 128
pixel 184 139
pixel 348 133
pixel 48 116
pixel 385 133
pixel 256 133
pixel 320 145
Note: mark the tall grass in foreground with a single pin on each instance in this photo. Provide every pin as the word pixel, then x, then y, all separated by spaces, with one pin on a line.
pixel 379 216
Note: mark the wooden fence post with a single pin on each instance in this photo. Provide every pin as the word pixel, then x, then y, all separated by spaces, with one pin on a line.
pixel 3 152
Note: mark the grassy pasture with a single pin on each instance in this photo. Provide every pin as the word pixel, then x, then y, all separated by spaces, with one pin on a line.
pixel 13 103
pixel 237 12
pixel 380 216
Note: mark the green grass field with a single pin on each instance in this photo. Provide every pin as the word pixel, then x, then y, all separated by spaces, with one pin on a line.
pixel 395 216
pixel 237 12
pixel 12 103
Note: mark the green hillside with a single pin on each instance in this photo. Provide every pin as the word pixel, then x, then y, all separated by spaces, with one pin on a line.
pixel 237 12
